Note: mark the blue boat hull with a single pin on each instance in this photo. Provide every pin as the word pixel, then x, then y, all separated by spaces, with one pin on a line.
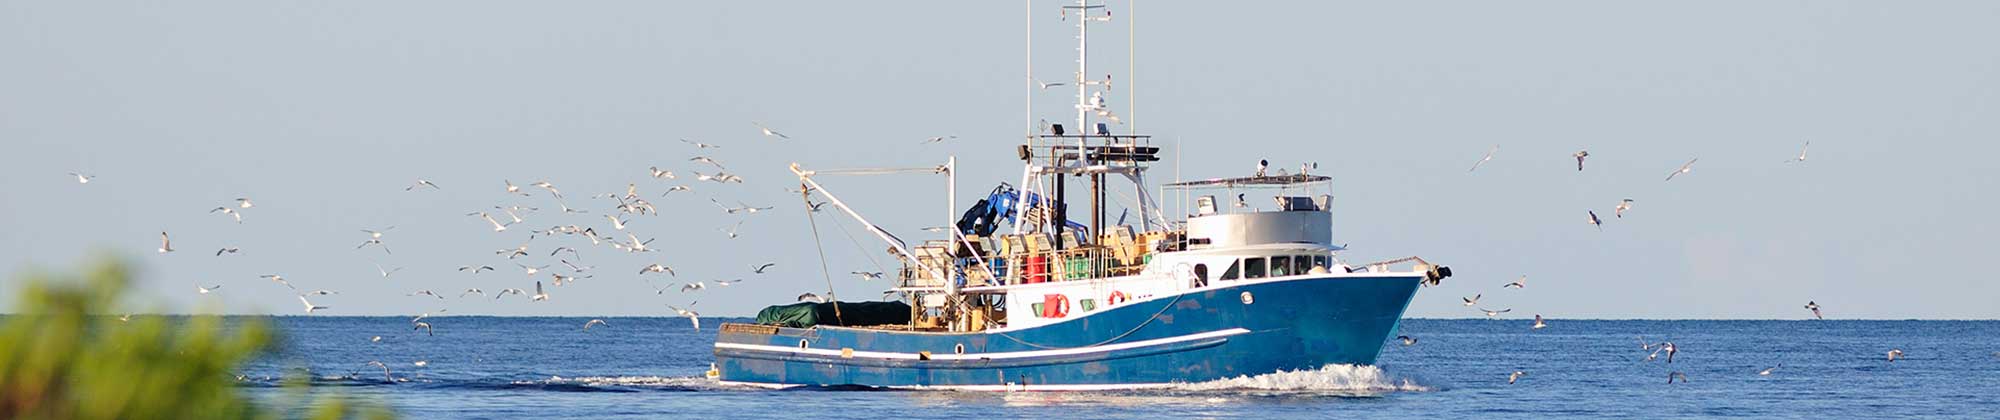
pixel 1301 323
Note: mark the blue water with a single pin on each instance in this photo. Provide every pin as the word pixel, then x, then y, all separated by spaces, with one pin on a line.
pixel 485 367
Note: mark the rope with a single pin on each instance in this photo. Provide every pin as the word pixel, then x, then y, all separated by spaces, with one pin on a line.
pixel 805 195
pixel 1149 320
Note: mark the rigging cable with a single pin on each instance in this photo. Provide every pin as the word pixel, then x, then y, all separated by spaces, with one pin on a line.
pixel 805 195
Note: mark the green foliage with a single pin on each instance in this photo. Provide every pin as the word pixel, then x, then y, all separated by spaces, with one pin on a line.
pixel 63 357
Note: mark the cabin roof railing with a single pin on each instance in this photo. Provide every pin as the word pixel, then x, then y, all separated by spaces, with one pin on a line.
pixel 1277 181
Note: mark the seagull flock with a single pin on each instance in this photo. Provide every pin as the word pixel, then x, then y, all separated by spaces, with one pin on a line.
pixel 611 228
pixel 1664 350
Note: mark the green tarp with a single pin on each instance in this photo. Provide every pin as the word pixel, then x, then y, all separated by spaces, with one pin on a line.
pixel 808 314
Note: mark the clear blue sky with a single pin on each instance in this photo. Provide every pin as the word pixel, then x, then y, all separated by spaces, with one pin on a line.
pixel 324 112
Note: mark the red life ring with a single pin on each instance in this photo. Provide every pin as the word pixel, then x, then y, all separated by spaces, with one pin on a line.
pixel 1061 306
pixel 1116 297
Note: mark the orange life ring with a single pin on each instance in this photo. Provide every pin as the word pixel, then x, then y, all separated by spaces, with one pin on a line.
pixel 1116 297
pixel 1062 306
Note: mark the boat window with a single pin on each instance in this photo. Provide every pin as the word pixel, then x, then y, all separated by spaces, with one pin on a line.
pixel 1253 268
pixel 1200 275
pixel 1302 264
pixel 1320 260
pixel 1231 273
pixel 1281 266
pixel 1088 304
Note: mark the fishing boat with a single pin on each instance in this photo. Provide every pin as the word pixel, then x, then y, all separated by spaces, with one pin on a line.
pixel 1019 296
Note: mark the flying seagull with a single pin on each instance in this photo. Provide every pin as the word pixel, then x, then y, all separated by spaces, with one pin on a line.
pixel 539 294
pixel 1047 85
pixel 868 275
pixel 1580 154
pixel 81 178
pixel 1482 161
pixel 229 211
pixel 1407 340
pixel 759 269
pixel 310 307
pixel 244 202
pixel 938 139
pixel 1594 221
pixel 420 184
pixel 1517 284
pixel 656 268
pixel 375 238
pixel 228 250
pixel 586 325
pixel 1895 354
pixel 700 145
pixel 206 290
pixel 768 132
pixel 1767 372
pixel 691 315
pixel 1474 300
pixel 1814 307
pixel 1802 154
pixel 166 245
pixel 280 280
pixel 1685 168
pixel 810 297
pixel 1492 313
pixel 1515 376
pixel 1538 323
pixel 1676 374
pixel 1623 205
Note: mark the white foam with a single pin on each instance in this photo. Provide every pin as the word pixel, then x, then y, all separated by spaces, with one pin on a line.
pixel 659 381
pixel 1345 378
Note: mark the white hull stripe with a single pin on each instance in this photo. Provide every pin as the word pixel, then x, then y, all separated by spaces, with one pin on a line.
pixel 987 356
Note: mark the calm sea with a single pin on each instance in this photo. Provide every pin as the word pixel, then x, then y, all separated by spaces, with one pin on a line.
pixel 487 367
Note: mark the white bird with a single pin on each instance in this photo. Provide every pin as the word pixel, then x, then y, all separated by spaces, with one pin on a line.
pixel 707 160
pixel 426 326
pixel 505 292
pixel 539 295
pixel 809 297
pixel 1517 284
pixel 385 370
pixel 227 250
pixel 742 208
pixel 473 291
pixel 532 270
pixel 576 268
pixel 475 270
pixel 691 315
pixel 637 246
pixel 513 189
pixel 1814 307
pixel 497 227
pixel 586 325
pixel 1492 313
pixel 81 178
pixel 694 286
pixel 421 363
pixel 671 190
pixel 759 269
pixel 661 173
pixel 868 275
pixel 321 292
pixel 656 268
pixel 560 279
pixel 768 132
pixel 566 209
pixel 726 283
pixel 1538 323
pixel 700 145
pixel 1667 347
pixel 279 280
pixel 375 339
pixel 421 183
pixel 166 245
pixel 228 211
pixel 731 231
pixel 310 307
pixel 547 186
pixel 615 223
pixel 938 139
pixel 426 292
pixel 1580 154
pixel 1895 354
pixel 1515 376
pixel 206 290
pixel 1474 300
pixel 1482 161
pixel 1594 221
pixel 1685 168
pixel 1767 372
pixel 1407 340
pixel 1802 154
pixel 375 238
pixel 244 202
pixel 1047 85
pixel 1623 205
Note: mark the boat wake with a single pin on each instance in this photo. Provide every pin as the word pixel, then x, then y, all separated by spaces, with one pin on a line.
pixel 1330 378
